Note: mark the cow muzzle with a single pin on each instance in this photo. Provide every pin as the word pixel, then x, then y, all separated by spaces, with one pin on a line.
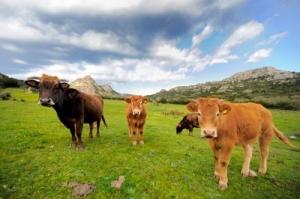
pixel 136 112
pixel 209 133
pixel 46 102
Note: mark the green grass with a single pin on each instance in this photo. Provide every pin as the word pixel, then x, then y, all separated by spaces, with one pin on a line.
pixel 37 162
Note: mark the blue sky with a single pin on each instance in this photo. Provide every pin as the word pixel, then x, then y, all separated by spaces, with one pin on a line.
pixel 141 47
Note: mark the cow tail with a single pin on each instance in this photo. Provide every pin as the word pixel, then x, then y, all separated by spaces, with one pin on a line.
pixel 104 121
pixel 282 137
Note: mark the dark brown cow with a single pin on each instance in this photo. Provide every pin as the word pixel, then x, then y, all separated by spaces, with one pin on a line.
pixel 227 124
pixel 73 107
pixel 188 122
pixel 136 113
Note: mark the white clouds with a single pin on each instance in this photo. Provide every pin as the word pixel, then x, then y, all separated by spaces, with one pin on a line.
pixel 260 55
pixel 12 48
pixel 241 35
pixel 272 38
pixel 18 61
pixel 206 33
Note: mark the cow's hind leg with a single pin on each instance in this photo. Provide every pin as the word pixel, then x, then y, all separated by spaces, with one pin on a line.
pixel 98 128
pixel 72 131
pixel 247 159
pixel 91 130
pixel 129 129
pixel 264 143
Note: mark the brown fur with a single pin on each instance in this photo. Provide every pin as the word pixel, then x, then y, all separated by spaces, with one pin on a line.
pixel 229 124
pixel 73 107
pixel 188 122
pixel 136 113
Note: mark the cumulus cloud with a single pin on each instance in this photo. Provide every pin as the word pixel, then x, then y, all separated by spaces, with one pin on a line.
pixel 260 55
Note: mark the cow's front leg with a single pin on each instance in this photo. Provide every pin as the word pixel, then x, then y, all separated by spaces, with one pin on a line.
pixel 247 158
pixel 72 131
pixel 133 127
pixel 217 159
pixel 129 128
pixel 191 133
pixel 79 125
pixel 224 161
pixel 141 131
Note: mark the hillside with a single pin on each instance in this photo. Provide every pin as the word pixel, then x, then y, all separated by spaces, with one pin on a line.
pixel 267 85
pixel 89 85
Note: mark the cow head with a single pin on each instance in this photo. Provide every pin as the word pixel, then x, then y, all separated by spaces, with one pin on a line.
pixel 137 102
pixel 50 88
pixel 209 110
pixel 179 128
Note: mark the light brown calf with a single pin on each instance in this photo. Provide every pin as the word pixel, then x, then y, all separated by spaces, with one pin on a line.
pixel 227 124
pixel 136 113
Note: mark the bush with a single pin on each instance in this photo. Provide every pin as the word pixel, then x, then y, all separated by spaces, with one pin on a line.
pixel 5 96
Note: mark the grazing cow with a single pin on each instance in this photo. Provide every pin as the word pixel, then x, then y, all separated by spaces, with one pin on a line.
pixel 136 113
pixel 227 124
pixel 73 107
pixel 188 122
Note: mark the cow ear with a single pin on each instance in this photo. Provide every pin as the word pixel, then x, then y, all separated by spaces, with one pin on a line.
pixel 128 100
pixel 64 85
pixel 192 107
pixel 145 100
pixel 32 83
pixel 224 109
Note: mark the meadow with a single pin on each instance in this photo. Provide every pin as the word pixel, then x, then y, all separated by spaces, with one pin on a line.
pixel 36 160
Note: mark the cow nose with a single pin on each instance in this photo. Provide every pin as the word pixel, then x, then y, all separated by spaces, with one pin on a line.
pixel 46 102
pixel 136 112
pixel 209 133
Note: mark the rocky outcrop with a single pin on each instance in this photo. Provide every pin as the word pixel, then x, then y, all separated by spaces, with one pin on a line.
pixel 89 85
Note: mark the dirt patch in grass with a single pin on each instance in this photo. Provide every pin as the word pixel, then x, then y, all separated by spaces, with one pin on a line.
pixel 81 189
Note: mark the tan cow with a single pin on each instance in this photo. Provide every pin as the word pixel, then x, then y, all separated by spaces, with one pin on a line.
pixel 227 124
pixel 136 113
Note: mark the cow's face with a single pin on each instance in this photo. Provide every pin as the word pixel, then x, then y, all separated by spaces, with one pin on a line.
pixel 209 110
pixel 137 102
pixel 179 128
pixel 50 89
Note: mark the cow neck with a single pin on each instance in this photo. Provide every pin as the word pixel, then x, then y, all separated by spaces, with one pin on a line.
pixel 58 106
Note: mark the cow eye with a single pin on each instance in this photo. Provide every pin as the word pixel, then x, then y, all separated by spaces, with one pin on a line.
pixel 218 114
pixel 199 114
pixel 141 103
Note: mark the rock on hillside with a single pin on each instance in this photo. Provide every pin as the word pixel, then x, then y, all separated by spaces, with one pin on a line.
pixel 267 73
pixel 89 85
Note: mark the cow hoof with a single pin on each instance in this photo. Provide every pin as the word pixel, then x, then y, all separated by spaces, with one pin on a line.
pixel 244 175
pixel 141 142
pixel 222 186
pixel 79 148
pixel 98 135
pixel 252 173
pixel 73 144
pixel 90 137
pixel 216 175
pixel 133 143
pixel 261 171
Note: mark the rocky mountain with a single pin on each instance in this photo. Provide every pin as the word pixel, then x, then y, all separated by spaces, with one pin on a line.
pixel 263 82
pixel 89 85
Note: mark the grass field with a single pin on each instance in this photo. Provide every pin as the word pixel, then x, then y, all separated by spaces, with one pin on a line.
pixel 37 162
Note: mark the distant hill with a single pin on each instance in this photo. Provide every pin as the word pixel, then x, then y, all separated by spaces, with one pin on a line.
pixel 266 85
pixel 89 85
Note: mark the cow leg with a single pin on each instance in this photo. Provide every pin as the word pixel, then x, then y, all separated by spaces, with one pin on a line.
pixel 217 159
pixel 91 130
pixel 133 127
pixel 79 125
pixel 264 143
pixel 129 129
pixel 224 160
pixel 72 130
pixel 98 128
pixel 247 158
pixel 191 130
pixel 141 131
